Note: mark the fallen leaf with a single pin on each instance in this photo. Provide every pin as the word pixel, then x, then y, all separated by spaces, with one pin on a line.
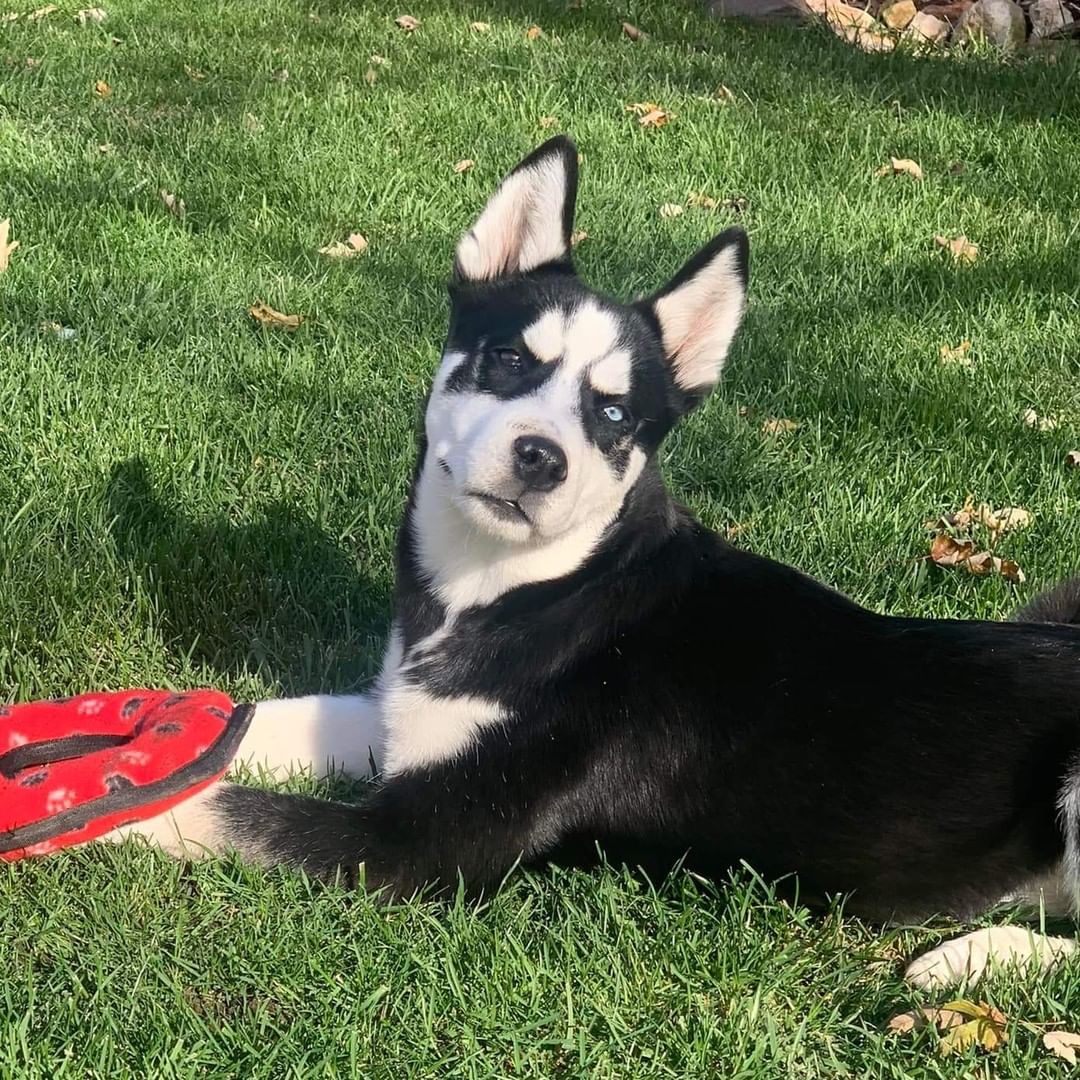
pixel 1041 423
pixel 32 62
pixel 956 168
pixel 102 88
pixel 90 16
pixel 1062 1044
pixel 947 551
pixel 6 249
pixel 59 331
pixel 1010 570
pixel 194 73
pixel 1001 521
pixel 779 426
pixel 738 204
pixel 9 17
pixel 370 75
pixel 548 122
pixel 700 200
pixel 1073 458
pixel 106 148
pixel 724 93
pixel 464 165
pixel 901 166
pixel 959 247
pixel 917 1019
pixel 267 316
pixel 957 355
pixel 649 114
pixel 356 244
pixel 670 210
pixel 633 33
pixel 280 75
pixel 252 123
pixel 534 32
pixel 480 27
pixel 985 1028
pixel 173 204
pixel 41 12
pixel 407 23
pixel 577 236
pixel 379 61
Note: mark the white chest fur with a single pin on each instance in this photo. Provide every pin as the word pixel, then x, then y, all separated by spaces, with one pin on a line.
pixel 421 728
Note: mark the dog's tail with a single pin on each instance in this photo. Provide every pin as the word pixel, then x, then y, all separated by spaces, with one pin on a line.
pixel 1061 604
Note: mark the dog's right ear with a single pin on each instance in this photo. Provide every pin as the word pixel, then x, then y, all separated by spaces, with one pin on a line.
pixel 527 222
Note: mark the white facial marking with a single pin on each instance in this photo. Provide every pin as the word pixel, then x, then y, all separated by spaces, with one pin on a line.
pixel 612 374
pixel 546 338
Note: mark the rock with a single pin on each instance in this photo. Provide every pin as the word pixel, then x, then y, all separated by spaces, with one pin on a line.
pixel 950 13
pixel 897 15
pixel 1000 22
pixel 1047 17
pixel 926 30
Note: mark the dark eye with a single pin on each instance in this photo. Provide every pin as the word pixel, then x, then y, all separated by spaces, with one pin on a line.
pixel 615 414
pixel 509 359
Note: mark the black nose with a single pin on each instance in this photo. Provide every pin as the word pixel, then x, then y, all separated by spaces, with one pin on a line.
pixel 539 462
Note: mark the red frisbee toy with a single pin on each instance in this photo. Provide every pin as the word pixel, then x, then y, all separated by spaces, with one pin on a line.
pixel 72 769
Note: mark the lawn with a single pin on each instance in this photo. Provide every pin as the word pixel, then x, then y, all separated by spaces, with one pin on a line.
pixel 194 500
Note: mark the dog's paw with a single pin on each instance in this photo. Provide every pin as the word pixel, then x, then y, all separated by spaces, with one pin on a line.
pixel 965 960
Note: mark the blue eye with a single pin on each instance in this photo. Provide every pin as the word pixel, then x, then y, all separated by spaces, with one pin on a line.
pixel 615 413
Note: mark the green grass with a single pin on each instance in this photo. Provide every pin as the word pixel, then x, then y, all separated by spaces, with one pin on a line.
pixel 191 500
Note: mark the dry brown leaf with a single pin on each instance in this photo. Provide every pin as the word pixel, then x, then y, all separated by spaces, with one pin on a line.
pixel 1062 1044
pixel 480 27
pixel 670 210
pixel 106 148
pixel 355 244
pixel 173 204
pixel 32 62
pixel 252 123
pixel 901 166
pixel 985 1028
pixel 724 93
pixel 1001 521
pixel 577 237
pixel 102 88
pixel 6 249
pixel 1010 570
pixel 408 23
pixel 633 33
pixel 958 355
pixel 464 165
pixel 649 114
pixel 267 316
pixel 1073 458
pixel 534 32
pixel 91 16
pixel 1041 423
pixel 917 1019
pixel 370 75
pixel 280 75
pixel 194 73
pixel 379 61
pixel 546 122
pixel 947 551
pixel 779 426
pixel 701 200
pixel 956 168
pixel 41 12
pixel 959 247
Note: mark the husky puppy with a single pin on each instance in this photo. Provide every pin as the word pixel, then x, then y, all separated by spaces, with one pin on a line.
pixel 576 661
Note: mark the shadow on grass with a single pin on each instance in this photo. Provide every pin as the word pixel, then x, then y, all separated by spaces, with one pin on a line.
pixel 277 598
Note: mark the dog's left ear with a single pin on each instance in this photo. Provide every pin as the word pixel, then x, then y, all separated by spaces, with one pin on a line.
pixel 527 223
pixel 700 309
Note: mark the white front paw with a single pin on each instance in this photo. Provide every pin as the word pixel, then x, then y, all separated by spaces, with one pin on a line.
pixel 965 960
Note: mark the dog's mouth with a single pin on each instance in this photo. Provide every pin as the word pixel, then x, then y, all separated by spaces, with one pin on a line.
pixel 504 509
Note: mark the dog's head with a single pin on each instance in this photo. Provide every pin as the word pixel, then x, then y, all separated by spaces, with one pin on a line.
pixel 550 397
